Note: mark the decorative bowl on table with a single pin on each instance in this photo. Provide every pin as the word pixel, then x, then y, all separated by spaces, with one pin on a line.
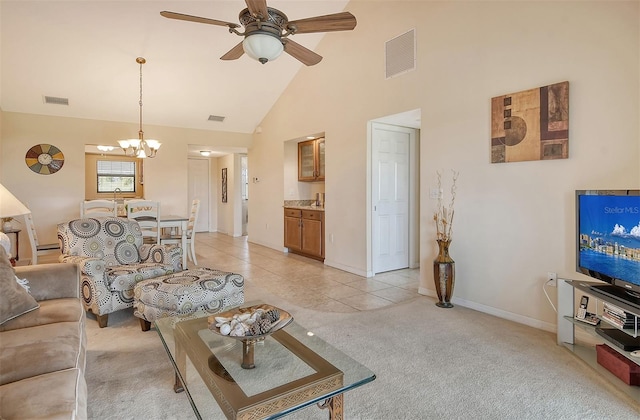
pixel 249 325
pixel 252 322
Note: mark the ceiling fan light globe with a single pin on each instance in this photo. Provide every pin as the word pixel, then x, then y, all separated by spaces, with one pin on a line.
pixel 262 47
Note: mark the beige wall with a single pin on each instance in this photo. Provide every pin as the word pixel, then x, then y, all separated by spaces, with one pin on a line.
pixel 55 198
pixel 514 222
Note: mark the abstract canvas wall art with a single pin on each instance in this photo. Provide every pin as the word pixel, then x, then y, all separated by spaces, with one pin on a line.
pixel 531 125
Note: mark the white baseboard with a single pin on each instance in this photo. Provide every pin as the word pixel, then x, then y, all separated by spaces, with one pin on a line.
pixel 346 268
pixel 520 319
pixel 277 247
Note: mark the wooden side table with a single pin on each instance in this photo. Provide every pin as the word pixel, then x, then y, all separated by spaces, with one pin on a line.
pixel 14 237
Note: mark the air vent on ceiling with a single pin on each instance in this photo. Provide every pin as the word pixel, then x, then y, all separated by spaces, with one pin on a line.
pixel 400 54
pixel 56 101
pixel 216 118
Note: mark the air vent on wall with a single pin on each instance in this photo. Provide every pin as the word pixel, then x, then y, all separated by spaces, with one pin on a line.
pixel 216 118
pixel 400 54
pixel 56 101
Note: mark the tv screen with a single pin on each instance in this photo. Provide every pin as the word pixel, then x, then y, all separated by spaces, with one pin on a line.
pixel 608 236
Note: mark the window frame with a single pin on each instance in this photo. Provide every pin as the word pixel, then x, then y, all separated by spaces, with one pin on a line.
pixel 91 174
pixel 133 176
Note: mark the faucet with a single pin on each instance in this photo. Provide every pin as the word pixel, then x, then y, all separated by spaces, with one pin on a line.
pixel 115 202
pixel 116 191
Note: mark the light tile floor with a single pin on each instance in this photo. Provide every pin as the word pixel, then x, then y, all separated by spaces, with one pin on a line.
pixel 305 281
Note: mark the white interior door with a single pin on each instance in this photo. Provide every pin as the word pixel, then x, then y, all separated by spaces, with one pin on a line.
pixel 390 196
pixel 198 180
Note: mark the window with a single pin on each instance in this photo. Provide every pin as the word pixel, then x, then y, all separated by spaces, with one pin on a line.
pixel 114 174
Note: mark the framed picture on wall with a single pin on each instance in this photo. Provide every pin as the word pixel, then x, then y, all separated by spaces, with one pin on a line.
pixel 531 125
pixel 224 185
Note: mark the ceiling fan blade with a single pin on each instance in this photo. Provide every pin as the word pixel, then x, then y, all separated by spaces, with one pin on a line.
pixel 189 18
pixel 343 21
pixel 258 8
pixel 234 53
pixel 304 55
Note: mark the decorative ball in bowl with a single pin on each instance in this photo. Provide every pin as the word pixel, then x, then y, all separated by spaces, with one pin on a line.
pixel 249 323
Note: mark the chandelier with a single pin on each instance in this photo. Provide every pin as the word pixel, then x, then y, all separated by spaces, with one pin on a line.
pixel 140 147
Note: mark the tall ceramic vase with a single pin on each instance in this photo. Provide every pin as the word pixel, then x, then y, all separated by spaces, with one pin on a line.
pixel 444 274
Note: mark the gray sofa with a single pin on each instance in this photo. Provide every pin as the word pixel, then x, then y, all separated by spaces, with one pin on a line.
pixel 42 350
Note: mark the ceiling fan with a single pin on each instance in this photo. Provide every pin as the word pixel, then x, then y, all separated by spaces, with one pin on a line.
pixel 267 30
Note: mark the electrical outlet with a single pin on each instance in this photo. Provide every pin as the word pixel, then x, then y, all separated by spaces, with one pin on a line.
pixel 552 279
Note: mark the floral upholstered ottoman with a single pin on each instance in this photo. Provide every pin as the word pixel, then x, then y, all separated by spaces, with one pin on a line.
pixel 187 294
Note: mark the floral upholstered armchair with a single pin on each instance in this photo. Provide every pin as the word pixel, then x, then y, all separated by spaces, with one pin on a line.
pixel 112 259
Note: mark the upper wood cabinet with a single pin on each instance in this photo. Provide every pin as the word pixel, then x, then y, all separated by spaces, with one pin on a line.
pixel 311 160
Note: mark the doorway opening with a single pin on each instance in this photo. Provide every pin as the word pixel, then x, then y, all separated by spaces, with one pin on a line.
pixel 393 215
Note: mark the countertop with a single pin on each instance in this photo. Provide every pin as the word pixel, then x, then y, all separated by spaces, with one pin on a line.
pixel 304 208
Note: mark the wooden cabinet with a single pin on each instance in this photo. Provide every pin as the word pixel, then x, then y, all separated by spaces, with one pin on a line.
pixel 304 232
pixel 311 160
pixel 293 229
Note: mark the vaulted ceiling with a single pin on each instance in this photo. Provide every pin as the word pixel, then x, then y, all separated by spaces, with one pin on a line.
pixel 85 50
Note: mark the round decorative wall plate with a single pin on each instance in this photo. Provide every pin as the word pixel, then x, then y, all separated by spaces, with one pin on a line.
pixel 44 159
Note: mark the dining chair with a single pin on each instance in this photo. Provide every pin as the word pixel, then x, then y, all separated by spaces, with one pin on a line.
pixel 191 233
pixel 147 214
pixel 98 208
pixel 36 247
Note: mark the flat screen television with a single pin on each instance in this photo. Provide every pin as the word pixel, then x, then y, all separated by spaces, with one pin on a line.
pixel 608 240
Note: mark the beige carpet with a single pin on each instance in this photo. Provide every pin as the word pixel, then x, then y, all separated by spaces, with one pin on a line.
pixel 430 363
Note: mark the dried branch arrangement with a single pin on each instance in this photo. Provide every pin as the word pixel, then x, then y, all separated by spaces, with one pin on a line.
pixel 444 214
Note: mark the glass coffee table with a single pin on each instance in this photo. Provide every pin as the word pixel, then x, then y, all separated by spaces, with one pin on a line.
pixel 291 369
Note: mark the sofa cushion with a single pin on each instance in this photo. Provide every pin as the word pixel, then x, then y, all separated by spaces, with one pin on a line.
pixel 33 351
pixel 14 299
pixel 56 395
pixel 50 312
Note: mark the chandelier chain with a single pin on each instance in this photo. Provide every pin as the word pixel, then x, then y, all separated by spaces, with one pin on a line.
pixel 140 148
pixel 141 61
